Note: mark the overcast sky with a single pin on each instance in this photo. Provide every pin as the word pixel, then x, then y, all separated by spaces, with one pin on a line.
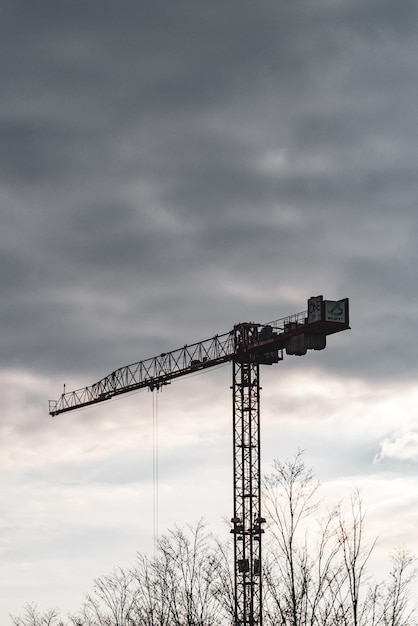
pixel 168 169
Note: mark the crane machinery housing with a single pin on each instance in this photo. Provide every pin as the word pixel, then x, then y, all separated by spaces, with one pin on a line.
pixel 248 345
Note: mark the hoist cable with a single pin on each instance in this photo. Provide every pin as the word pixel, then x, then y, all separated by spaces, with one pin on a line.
pixel 155 468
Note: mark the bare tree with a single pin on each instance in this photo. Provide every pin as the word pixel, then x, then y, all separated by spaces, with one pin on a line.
pixel 179 587
pixel 315 568
pixel 224 581
pixel 188 570
pixel 396 605
pixel 294 576
pixel 33 617
pixel 113 602
pixel 152 587
pixel 353 590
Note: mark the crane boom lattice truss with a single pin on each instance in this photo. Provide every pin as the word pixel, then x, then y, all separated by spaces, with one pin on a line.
pixel 247 346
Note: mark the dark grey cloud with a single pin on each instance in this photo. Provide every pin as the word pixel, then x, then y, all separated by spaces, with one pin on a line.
pixel 153 154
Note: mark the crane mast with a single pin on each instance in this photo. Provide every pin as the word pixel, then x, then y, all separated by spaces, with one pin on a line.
pixel 247 346
pixel 247 520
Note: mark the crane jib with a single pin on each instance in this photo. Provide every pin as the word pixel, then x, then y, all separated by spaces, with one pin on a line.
pixel 248 341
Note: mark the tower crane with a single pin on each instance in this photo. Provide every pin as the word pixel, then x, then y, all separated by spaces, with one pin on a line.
pixel 248 345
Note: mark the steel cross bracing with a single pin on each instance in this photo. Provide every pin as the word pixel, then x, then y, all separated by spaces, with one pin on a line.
pixel 247 520
pixel 248 345
pixel 151 373
pixel 160 370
